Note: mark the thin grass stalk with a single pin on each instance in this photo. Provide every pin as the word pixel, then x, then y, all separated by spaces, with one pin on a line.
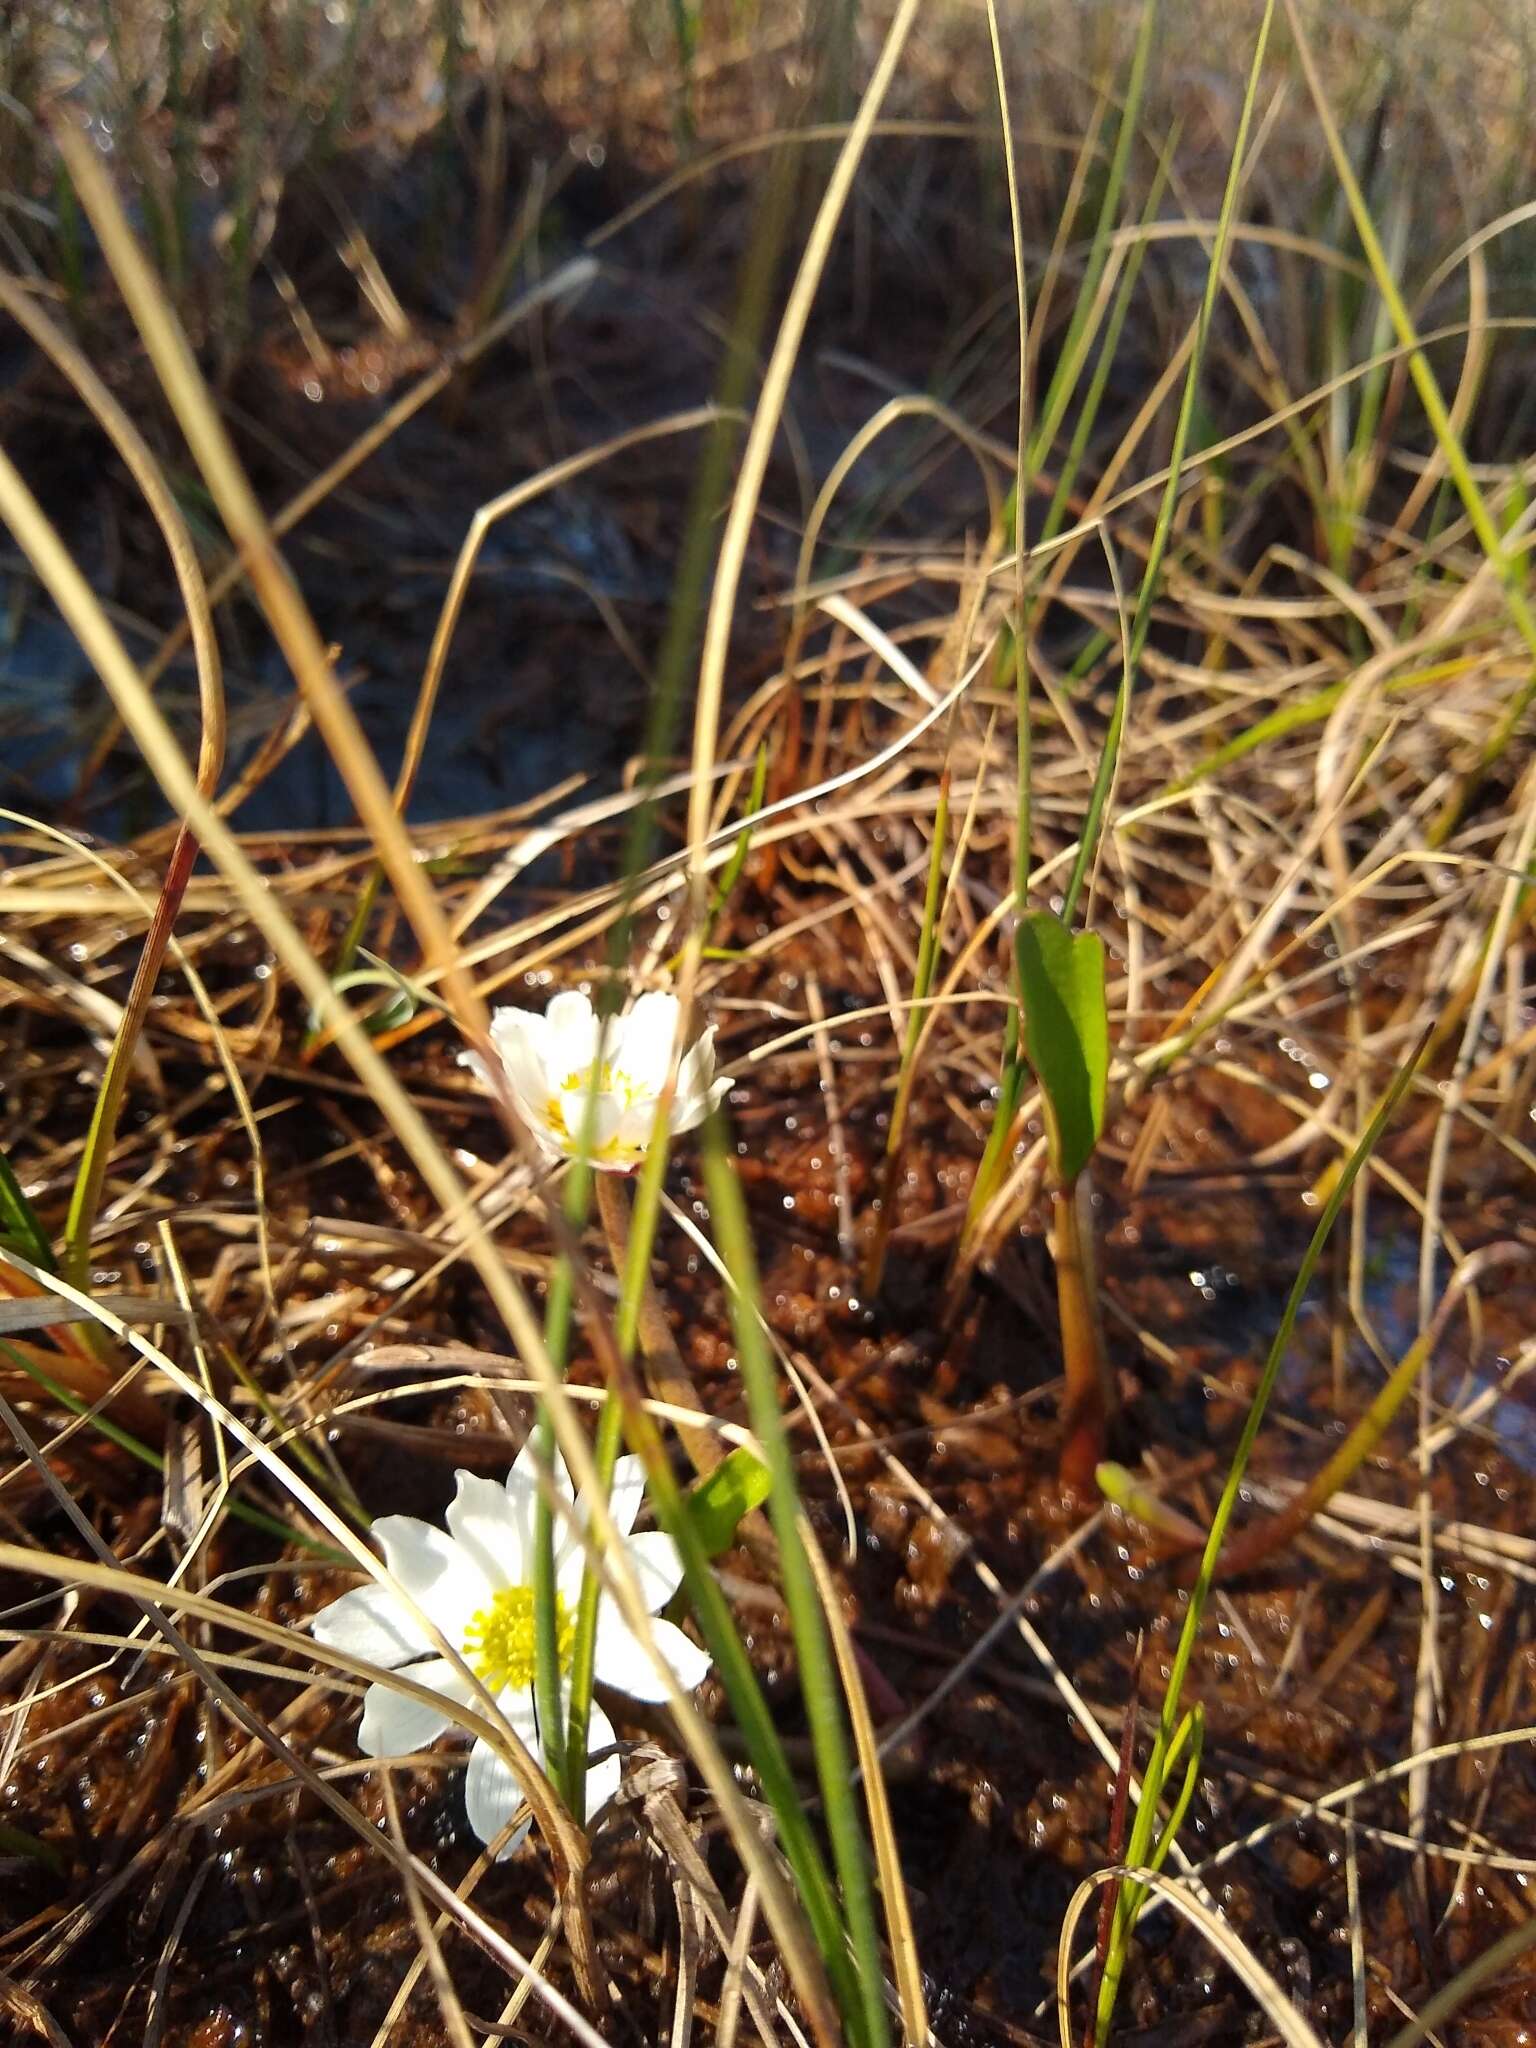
pixel 1075 345
pixel 1507 564
pixel 754 467
pixel 1015 646
pixel 712 481
pixel 1155 1776
pixel 565 1770
pixel 1088 411
pixel 922 984
pixel 1083 157
pixel 630 1238
pixel 866 2016
pixel 20 1219
pixel 1031 454
pixel 1088 1407
pixel 1142 619
pixel 1286 2023
pixel 906 1966
pixel 734 1669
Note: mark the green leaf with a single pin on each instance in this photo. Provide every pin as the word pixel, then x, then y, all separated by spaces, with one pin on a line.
pixel 15 1842
pixel 407 997
pixel 732 1490
pixel 1066 1033
pixel 19 1226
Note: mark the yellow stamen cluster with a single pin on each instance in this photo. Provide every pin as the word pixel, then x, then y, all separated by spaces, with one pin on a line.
pixel 499 1641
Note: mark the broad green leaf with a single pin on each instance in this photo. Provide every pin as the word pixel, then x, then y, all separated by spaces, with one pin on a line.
pixel 732 1490
pixel 1066 1033
pixel 19 1226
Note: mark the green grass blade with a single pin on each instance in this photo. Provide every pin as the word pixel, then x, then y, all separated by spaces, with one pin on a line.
pixel 1076 341
pixel 19 1225
pixel 866 2018
pixel 1507 564
pixel 1142 619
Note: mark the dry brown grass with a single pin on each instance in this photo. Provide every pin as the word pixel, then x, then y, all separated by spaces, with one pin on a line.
pixel 1313 851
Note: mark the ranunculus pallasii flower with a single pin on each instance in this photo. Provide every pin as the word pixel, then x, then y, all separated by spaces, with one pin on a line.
pixel 475 1582
pixel 574 1078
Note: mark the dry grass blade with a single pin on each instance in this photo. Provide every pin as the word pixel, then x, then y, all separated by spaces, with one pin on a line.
pixel 760 438
pixel 316 1274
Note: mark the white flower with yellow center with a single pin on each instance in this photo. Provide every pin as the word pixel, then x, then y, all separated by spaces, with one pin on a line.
pixel 475 1583
pixel 574 1079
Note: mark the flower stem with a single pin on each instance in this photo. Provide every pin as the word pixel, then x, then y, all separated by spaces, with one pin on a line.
pixel 546 1617
pixel 631 1231
pixel 605 1455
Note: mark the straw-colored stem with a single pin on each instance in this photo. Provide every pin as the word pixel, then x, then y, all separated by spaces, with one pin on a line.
pixel 922 983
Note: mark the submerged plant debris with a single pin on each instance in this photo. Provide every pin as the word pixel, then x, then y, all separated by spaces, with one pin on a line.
pixel 1320 820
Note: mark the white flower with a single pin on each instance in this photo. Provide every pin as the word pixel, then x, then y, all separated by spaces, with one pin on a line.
pixel 476 1584
pixel 564 1070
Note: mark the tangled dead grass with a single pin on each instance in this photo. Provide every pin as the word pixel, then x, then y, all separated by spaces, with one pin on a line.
pixel 1320 834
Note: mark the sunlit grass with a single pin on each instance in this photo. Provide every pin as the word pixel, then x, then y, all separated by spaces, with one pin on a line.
pixel 1183 742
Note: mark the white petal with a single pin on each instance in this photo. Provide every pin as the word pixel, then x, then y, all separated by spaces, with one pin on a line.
pixel 371 1623
pixel 642 1049
pixel 632 1134
pixel 689 1118
pixel 485 1523
pixel 623 1505
pixel 492 1795
pixel 570 1044
pixel 690 1109
pixel 437 1575
pixel 602 1778
pixel 627 1492
pixel 697 1069
pixel 624 1665
pixel 653 1558
pixel 519 1038
pixel 393 1723
pixel 523 1493
pixel 591 1120
pixel 656 1562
